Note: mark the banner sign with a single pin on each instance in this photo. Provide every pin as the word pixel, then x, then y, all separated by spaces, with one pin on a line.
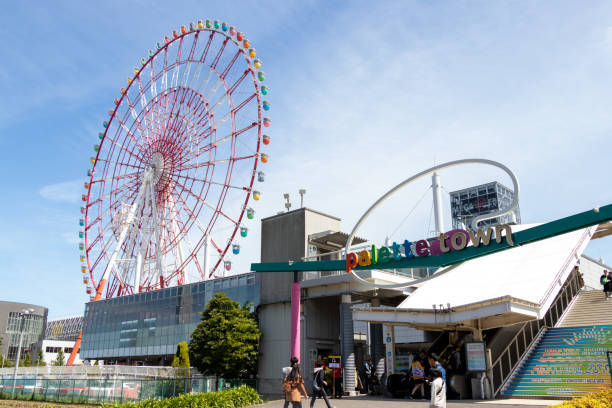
pixel 476 356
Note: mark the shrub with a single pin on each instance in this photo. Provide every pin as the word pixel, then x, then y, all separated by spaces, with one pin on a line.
pixel 233 398
pixel 601 399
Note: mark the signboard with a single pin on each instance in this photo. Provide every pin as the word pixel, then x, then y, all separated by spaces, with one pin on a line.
pixel 476 356
pixel 570 361
pixel 454 240
pixel 333 361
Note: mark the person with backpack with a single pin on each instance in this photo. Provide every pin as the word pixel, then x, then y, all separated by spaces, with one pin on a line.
pixel 318 387
pixel 293 386
pixel 418 377
pixel 606 281
pixel 438 389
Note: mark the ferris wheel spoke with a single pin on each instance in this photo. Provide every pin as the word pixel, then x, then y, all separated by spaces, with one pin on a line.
pixel 219 53
pixel 115 178
pixel 153 82
pixel 100 159
pixel 227 69
pixel 237 83
pixel 175 233
pixel 158 261
pixel 177 66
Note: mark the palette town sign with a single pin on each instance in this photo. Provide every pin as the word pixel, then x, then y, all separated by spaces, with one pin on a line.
pixel 455 240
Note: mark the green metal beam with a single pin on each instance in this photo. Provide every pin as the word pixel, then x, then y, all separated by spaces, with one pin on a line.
pixel 548 230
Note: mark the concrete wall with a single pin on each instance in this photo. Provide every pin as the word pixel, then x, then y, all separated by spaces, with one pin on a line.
pixel 284 237
pixel 274 346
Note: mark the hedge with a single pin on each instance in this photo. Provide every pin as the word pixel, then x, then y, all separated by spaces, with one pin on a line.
pixel 242 396
pixel 601 399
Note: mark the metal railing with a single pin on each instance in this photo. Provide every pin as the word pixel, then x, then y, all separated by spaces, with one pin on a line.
pixel 101 371
pixel 504 367
pixel 106 390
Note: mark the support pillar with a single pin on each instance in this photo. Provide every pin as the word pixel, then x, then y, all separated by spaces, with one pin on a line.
pixel 437 203
pixel 295 316
pixel 347 345
pixel 377 350
pixel 389 332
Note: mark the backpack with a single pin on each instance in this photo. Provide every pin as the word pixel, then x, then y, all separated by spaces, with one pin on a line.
pixel 315 378
pixel 603 279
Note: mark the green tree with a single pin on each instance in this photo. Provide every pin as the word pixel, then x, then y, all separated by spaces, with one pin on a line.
pixel 181 357
pixel 41 360
pixel 225 342
pixel 27 361
pixel 59 360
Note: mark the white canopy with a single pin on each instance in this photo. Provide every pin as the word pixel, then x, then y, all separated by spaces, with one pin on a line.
pixel 513 285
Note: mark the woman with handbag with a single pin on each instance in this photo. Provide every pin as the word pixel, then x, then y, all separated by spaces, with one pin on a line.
pixel 293 386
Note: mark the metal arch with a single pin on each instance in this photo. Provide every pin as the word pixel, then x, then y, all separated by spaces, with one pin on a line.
pixel 417 176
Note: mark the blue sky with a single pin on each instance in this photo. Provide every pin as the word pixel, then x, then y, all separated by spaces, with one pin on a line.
pixel 364 94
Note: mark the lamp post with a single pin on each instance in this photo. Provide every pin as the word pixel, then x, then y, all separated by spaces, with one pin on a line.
pixel 22 316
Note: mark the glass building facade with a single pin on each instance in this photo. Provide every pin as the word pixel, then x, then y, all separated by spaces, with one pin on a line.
pixel 148 326
pixel 484 199
pixel 33 328
pixel 67 329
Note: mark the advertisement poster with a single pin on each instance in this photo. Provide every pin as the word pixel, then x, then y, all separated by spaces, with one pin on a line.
pixel 476 356
pixel 567 361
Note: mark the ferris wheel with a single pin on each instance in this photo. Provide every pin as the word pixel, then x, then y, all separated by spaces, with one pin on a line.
pixel 175 165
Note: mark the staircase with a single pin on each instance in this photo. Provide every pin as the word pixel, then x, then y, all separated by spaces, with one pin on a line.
pixel 567 362
pixel 570 359
pixel 590 308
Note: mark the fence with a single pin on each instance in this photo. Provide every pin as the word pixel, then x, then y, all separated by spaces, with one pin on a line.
pixel 108 390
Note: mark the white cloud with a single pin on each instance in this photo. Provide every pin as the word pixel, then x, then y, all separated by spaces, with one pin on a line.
pixel 67 191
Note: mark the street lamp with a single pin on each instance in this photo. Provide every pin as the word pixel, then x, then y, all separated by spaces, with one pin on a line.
pixel 22 316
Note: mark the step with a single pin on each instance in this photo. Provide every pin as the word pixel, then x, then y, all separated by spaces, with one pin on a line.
pixel 567 361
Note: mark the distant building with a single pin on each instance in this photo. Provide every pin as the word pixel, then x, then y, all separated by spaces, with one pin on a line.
pixel 50 349
pixel 64 329
pixel 487 198
pixel 61 334
pixel 11 327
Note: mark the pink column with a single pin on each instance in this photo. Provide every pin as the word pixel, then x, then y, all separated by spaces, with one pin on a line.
pixel 295 320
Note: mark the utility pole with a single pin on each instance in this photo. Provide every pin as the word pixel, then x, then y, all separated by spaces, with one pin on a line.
pixel 22 315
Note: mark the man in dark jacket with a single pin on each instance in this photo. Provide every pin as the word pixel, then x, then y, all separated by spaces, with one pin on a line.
pixel 318 387
pixel 605 281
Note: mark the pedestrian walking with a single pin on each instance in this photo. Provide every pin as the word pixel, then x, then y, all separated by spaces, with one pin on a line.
pixel 318 387
pixel 418 377
pixel 438 389
pixel 605 281
pixel 293 386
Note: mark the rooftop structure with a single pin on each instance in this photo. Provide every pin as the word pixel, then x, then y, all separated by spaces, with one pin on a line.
pixel 483 199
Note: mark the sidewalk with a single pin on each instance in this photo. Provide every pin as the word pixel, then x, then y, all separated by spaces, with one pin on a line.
pixel 379 402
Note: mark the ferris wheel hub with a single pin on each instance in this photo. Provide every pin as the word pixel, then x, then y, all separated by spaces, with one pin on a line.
pixel 157 166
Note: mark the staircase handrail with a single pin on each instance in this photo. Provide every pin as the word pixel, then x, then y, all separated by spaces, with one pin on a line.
pixel 518 364
pixel 571 281
pixel 567 309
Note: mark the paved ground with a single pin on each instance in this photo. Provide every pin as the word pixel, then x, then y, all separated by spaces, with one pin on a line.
pixel 377 402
